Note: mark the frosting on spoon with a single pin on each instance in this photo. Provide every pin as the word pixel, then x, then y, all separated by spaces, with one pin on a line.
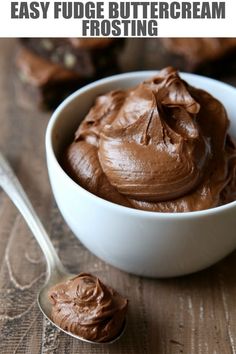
pixel 86 307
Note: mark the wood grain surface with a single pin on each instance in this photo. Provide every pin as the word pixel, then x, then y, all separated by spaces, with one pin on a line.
pixel 193 315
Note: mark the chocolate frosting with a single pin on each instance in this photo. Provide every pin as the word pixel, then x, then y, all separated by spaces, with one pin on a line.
pixel 86 307
pixel 161 146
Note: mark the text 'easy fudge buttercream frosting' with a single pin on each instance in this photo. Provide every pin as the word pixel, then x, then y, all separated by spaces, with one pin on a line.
pixel 160 146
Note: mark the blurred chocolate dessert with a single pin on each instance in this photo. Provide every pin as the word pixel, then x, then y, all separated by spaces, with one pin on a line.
pixel 208 56
pixel 52 68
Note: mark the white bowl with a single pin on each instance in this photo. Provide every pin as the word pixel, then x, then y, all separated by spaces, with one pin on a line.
pixel 140 242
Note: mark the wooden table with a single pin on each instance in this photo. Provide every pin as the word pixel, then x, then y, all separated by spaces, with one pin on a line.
pixel 193 315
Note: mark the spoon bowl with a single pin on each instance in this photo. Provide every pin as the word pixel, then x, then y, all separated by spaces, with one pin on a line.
pixel 56 273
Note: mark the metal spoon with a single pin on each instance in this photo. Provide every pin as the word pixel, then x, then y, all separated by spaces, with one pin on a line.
pixel 56 273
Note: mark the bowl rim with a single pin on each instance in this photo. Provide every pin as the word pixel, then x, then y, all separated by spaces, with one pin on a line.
pixel 134 212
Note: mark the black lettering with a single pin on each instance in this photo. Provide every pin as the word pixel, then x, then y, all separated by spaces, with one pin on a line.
pixel 85 28
pixel 57 9
pixel 135 9
pixel 218 10
pixel 34 13
pixel 125 10
pixel 205 12
pixel 152 28
pixel 14 10
pixel 113 10
pixel 78 10
pixel 90 10
pixel 154 10
pixel 126 27
pixel 196 10
pixel 24 11
pixel 100 10
pixel 105 28
pixel 141 28
pixel 163 10
pixel 67 10
pixel 145 8
pixel 133 28
pixel 45 7
pixel 94 28
pixel 116 31
pixel 175 10
pixel 186 10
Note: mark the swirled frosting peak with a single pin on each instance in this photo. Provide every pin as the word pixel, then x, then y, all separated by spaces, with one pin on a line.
pixel 86 307
pixel 155 152
pixel 162 145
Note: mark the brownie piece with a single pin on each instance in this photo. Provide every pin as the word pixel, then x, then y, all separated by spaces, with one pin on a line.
pixel 89 57
pixel 212 56
pixel 52 68
pixel 45 82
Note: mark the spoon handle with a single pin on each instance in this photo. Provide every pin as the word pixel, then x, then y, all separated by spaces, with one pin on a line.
pixel 11 185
